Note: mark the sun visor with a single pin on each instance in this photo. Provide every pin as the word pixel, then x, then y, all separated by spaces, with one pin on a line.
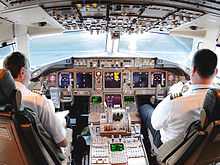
pixel 198 27
pixel 6 31
pixel 189 33
pixel 37 21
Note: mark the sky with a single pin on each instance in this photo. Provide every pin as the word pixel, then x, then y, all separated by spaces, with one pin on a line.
pixel 54 47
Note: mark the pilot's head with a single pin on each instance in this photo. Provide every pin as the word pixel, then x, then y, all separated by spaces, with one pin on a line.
pixel 18 65
pixel 204 67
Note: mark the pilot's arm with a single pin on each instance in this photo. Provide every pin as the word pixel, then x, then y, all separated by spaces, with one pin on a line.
pixel 52 124
pixel 161 114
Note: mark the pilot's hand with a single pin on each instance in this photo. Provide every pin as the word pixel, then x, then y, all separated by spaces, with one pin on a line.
pixel 178 89
pixel 37 92
pixel 61 116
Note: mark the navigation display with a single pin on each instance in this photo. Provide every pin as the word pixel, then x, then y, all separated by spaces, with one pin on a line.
pixel 158 78
pixel 84 80
pixel 113 100
pixel 140 79
pixel 112 79
pixel 64 79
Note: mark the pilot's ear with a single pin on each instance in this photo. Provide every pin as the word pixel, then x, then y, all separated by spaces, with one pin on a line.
pixel 193 70
pixel 22 73
pixel 22 70
pixel 216 71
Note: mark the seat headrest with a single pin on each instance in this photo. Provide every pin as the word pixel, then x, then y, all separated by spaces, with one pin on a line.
pixel 8 92
pixel 211 107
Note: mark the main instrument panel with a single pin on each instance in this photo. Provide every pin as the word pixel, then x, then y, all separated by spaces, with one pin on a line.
pixel 114 79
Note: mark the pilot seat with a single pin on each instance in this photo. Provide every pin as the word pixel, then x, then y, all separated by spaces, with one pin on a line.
pixel 200 144
pixel 23 139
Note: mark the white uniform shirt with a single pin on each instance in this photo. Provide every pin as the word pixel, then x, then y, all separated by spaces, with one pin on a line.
pixel 45 110
pixel 173 117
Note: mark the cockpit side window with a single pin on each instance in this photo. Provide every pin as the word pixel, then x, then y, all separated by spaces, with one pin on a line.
pixel 4 51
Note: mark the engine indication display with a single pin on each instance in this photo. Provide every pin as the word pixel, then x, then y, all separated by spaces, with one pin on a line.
pixel 158 78
pixel 64 79
pixel 84 80
pixel 112 79
pixel 140 79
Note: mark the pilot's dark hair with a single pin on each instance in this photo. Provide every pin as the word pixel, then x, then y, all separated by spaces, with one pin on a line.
pixel 205 62
pixel 14 62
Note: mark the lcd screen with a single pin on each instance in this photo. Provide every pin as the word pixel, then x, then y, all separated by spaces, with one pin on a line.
pixel 140 80
pixel 112 80
pixel 84 80
pixel 113 100
pixel 96 99
pixel 117 147
pixel 64 79
pixel 158 78
pixel 128 99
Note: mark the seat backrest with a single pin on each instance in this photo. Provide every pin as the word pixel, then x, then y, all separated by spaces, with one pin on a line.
pixel 35 138
pixel 10 98
pixel 27 144
pixel 208 152
pixel 211 108
pixel 202 147
pixel 10 101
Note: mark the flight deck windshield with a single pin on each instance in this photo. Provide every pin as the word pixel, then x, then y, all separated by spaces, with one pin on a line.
pixel 46 49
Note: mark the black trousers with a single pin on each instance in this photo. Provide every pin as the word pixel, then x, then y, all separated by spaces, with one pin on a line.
pixel 145 112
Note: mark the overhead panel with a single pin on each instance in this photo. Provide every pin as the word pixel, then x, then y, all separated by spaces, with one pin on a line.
pixel 157 11
pixel 92 10
pixel 129 10
pixel 176 18
pixel 127 16
pixel 68 17
pixel 123 18
pixel 93 16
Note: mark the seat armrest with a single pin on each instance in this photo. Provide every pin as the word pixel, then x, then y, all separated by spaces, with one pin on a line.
pixel 168 148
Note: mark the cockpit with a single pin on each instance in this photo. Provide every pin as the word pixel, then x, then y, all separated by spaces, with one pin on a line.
pixel 97 89
pixel 105 93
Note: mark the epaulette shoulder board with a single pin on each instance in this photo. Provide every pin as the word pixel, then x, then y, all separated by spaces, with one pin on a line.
pixel 175 95
pixel 37 92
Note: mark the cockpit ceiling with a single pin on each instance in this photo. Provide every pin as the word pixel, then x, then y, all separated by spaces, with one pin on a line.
pixel 122 16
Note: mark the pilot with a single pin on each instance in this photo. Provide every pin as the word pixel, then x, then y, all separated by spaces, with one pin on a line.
pixel 179 109
pixel 18 65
